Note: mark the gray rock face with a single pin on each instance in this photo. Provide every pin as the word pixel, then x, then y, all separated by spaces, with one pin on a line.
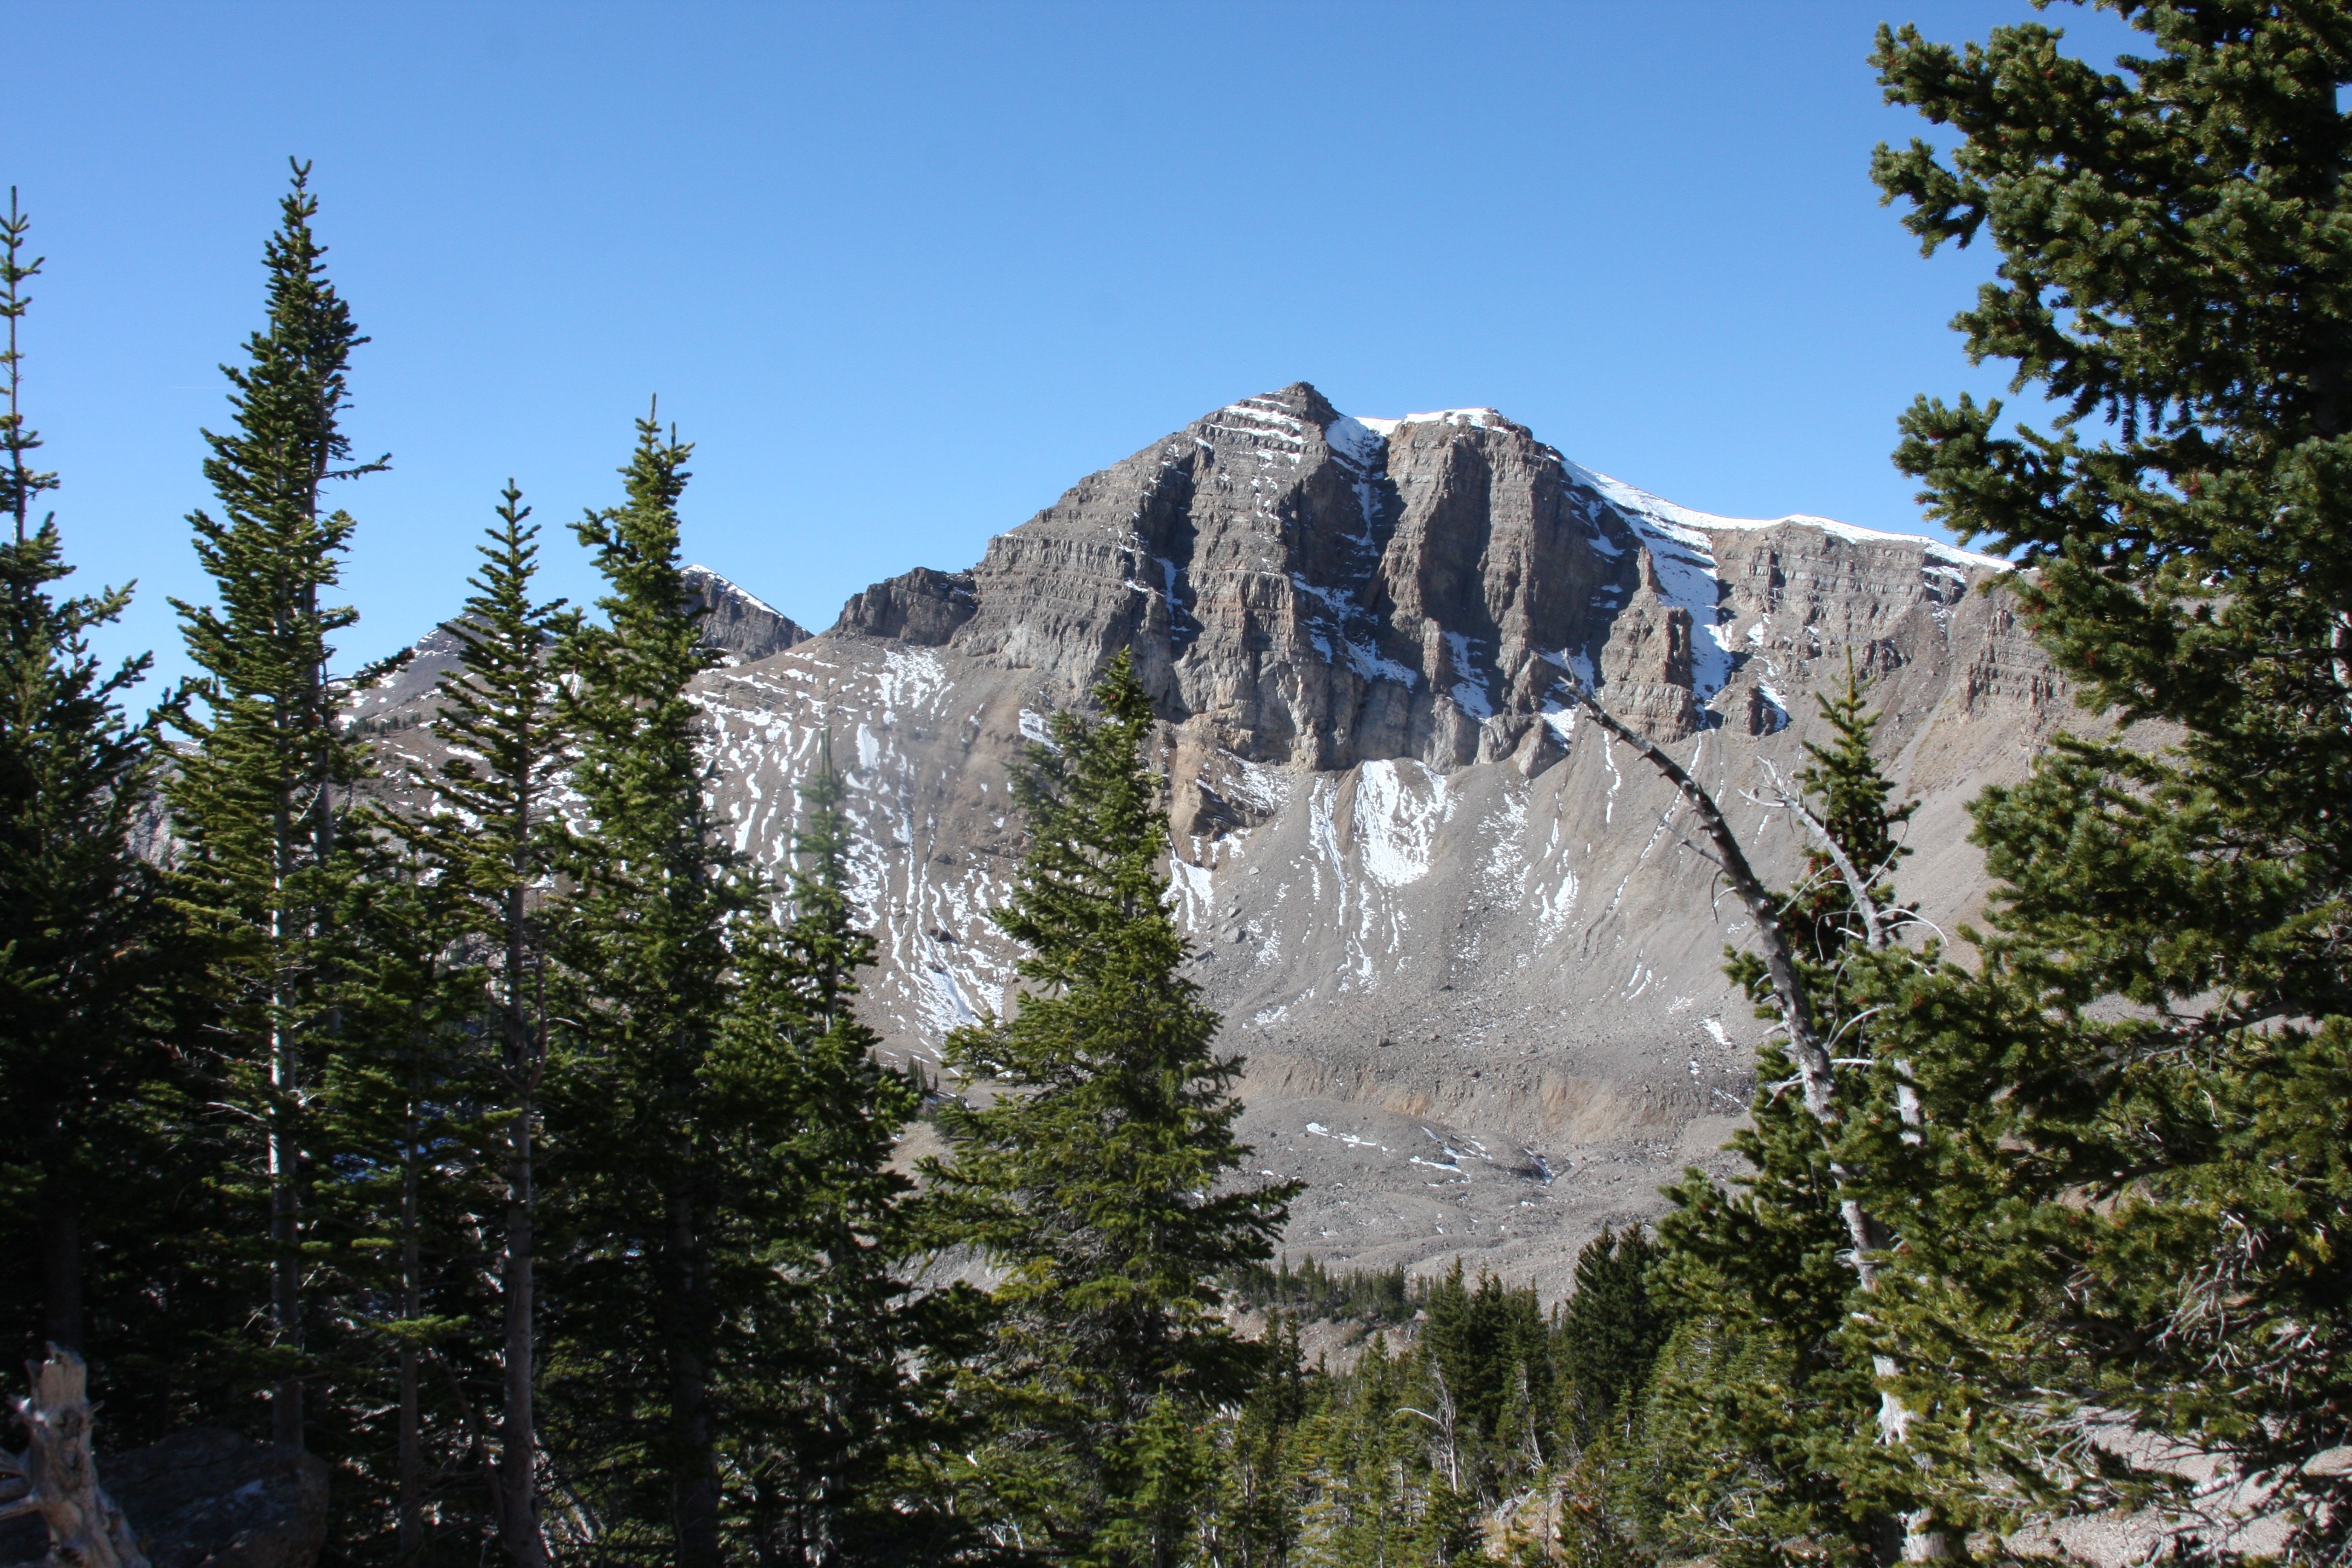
pixel 734 622
pixel 923 607
pixel 1474 968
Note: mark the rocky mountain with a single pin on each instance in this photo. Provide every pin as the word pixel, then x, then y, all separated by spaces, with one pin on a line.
pixel 742 627
pixel 1473 962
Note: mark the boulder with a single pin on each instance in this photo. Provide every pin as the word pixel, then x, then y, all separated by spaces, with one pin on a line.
pixel 210 1498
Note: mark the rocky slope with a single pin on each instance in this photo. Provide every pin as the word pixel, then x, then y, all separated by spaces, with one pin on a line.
pixel 1459 936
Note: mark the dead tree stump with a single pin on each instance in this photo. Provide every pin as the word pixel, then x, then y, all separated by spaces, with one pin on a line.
pixel 56 1476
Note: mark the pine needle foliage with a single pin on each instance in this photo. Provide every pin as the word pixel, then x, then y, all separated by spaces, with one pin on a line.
pixel 1766 1409
pixel 1611 1330
pixel 1098 1178
pixel 488 835
pixel 846 1363
pixel 257 798
pixel 648 981
pixel 2133 1169
pixel 92 1102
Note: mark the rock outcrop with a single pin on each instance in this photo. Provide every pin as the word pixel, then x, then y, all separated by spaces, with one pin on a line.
pixel 735 623
pixel 1476 970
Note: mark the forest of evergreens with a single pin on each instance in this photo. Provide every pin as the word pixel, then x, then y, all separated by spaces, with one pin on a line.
pixel 498 1134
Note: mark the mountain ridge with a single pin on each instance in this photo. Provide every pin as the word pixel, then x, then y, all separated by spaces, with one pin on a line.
pixel 1476 971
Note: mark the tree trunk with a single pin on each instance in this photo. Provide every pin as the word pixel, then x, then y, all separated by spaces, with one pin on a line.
pixel 61 1284
pixel 519 1527
pixel 56 1476
pixel 694 1479
pixel 411 1460
pixel 286 1421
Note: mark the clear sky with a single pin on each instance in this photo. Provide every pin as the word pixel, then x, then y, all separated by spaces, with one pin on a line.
pixel 905 272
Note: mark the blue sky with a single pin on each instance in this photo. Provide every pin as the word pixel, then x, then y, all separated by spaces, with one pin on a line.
pixel 905 272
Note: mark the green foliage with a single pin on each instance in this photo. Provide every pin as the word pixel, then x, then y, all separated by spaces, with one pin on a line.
pixel 1374 1296
pixel 1462 1442
pixel 846 1363
pixel 1765 1413
pixel 652 1206
pixel 1096 1175
pixel 2135 1106
pixel 91 1120
pixel 473 946
pixel 1611 1330
pixel 258 797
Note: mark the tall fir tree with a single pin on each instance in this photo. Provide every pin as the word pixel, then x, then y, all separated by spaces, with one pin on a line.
pixel 845 1365
pixel 257 798
pixel 2127 1198
pixel 489 831
pixel 1769 1404
pixel 395 1254
pixel 635 1140
pixel 1098 1178
pixel 86 962
pixel 1611 1331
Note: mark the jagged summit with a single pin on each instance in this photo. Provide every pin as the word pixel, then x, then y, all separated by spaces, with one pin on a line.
pixel 1322 589
pixel 735 621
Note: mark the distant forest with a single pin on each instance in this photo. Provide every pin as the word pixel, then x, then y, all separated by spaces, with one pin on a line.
pixel 496 1132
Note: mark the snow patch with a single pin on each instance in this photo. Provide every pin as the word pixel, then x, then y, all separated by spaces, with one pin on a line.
pixel 1260 785
pixel 1356 440
pixel 1396 821
pixel 1639 502
pixel 1469 691
pixel 1195 893
pixel 704 572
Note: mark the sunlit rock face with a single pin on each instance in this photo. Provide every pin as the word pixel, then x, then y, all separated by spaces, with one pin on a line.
pixel 1459 936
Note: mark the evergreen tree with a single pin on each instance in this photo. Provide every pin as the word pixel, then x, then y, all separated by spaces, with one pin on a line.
pixel 397 1218
pixel 637 1144
pixel 85 965
pixel 1610 1329
pixel 257 798
pixel 2125 1198
pixel 1770 1414
pixel 844 1363
pixel 489 834
pixel 1097 1178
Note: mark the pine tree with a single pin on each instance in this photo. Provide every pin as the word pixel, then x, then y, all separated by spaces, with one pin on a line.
pixel 257 798
pixel 842 1361
pixel 1774 1393
pixel 396 1224
pixel 1097 1178
pixel 489 833
pixel 1610 1329
pixel 84 969
pixel 2131 1173
pixel 649 982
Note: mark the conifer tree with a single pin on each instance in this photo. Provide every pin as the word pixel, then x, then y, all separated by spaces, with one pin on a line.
pixel 490 833
pixel 83 964
pixel 635 1140
pixel 844 1363
pixel 257 798
pixel 1773 1396
pixel 396 1221
pixel 1098 1178
pixel 1610 1329
pixel 2135 1100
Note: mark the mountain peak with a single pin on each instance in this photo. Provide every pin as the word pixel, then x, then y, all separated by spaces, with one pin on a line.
pixel 737 622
